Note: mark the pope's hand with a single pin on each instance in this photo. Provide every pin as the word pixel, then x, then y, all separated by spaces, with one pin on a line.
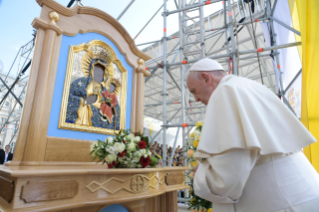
pixel 195 169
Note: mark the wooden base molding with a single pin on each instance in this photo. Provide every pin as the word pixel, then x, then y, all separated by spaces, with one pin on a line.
pixel 73 188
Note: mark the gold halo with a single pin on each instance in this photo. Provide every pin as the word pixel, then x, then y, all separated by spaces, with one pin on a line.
pixel 85 63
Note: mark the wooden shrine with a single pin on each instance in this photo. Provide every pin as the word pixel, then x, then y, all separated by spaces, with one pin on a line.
pixel 83 60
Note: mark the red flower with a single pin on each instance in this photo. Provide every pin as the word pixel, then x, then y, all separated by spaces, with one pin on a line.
pixel 124 141
pixel 136 133
pixel 145 161
pixel 122 154
pixel 142 144
pixel 110 166
pixel 114 163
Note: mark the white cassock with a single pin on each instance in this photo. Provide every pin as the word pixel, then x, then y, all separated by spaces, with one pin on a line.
pixel 252 144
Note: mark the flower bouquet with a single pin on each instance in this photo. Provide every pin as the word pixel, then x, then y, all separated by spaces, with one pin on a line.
pixel 125 150
pixel 196 203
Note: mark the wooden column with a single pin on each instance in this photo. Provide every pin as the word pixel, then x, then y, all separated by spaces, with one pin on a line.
pixel 140 82
pixel 35 145
pixel 171 201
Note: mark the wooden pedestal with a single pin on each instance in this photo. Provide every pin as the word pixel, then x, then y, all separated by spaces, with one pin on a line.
pixel 51 168
pixel 89 188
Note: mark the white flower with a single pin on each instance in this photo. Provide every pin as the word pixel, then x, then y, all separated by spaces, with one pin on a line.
pixel 110 158
pixel 149 153
pixel 196 134
pixel 130 136
pixel 131 146
pixel 139 154
pixel 145 156
pixel 109 140
pixel 137 139
pixel 136 159
pixel 110 149
pixel 190 142
pixel 119 147
pixel 143 151
pixel 93 145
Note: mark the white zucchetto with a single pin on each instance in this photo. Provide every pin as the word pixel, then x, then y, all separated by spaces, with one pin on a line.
pixel 206 64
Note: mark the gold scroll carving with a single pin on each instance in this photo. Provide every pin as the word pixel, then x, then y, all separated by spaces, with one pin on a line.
pixel 137 184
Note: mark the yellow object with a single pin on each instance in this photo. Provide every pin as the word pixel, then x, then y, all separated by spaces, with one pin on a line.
pixel 309 22
pixel 84 114
pixel 195 144
pixel 199 124
pixel 191 175
pixel 295 22
pixel 190 153
pixel 210 210
pixel 192 135
pixel 193 201
pixel 194 163
pixel 54 17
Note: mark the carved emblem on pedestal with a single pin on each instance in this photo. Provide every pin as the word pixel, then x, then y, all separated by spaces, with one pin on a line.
pixel 46 190
pixel 6 189
pixel 174 178
pixel 137 184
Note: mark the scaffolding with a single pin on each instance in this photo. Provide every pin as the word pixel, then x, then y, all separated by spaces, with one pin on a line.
pixel 15 92
pixel 225 41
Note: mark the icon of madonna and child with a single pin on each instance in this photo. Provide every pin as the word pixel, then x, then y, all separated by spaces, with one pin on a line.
pixel 95 98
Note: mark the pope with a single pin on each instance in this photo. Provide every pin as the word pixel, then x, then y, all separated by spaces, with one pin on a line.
pixel 250 150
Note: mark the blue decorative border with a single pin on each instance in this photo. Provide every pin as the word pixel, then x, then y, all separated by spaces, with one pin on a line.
pixel 53 129
pixel 114 208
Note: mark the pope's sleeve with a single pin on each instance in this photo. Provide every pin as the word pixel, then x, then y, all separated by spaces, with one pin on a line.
pixel 221 178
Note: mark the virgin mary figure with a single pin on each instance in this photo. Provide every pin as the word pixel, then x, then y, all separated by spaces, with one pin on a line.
pixel 93 98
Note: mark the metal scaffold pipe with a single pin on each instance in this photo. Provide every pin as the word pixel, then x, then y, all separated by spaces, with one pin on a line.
pixel 270 48
pixel 164 80
pixel 192 6
pixel 182 68
pixel 150 20
pixel 231 31
pixel 124 11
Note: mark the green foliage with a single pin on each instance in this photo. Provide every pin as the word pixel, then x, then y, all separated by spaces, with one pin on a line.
pixel 196 202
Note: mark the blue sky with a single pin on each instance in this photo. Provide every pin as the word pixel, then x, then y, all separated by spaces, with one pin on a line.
pixel 16 17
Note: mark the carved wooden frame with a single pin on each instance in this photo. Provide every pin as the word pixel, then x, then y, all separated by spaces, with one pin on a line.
pixel 32 142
